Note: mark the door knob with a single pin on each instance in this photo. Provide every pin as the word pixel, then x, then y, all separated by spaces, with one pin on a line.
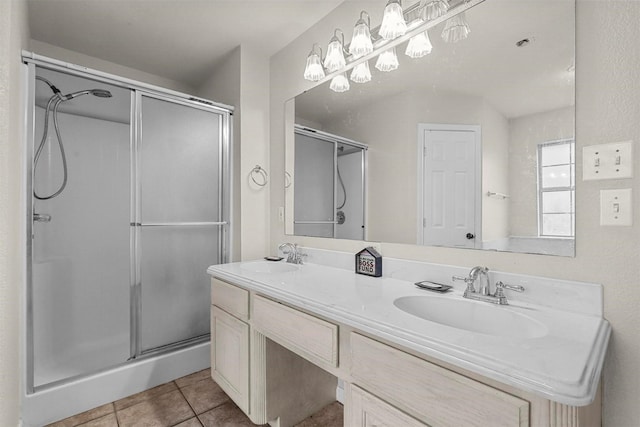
pixel 470 236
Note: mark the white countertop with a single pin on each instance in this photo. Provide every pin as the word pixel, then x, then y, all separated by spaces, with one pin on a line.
pixel 562 366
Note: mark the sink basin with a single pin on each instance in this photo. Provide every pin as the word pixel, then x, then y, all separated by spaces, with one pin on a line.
pixel 268 267
pixel 472 316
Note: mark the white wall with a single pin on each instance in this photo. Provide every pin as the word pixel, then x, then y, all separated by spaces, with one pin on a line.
pixel 607 110
pixel 224 86
pixel 14 36
pixel 243 81
pixel 525 133
pixel 77 58
pixel 495 174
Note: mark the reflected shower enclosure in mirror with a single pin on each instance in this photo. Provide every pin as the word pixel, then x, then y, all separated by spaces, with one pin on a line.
pixel 469 146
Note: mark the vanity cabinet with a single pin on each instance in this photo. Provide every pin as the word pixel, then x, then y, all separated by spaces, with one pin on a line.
pixel 230 341
pixel 279 364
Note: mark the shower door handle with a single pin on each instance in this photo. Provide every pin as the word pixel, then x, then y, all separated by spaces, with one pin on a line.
pixel 41 217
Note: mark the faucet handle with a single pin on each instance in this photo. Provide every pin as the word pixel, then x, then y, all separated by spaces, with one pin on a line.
pixel 501 285
pixel 468 280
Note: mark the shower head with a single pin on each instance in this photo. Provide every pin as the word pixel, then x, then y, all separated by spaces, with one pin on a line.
pixel 100 93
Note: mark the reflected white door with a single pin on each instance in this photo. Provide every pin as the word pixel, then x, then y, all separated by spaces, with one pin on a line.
pixel 449 183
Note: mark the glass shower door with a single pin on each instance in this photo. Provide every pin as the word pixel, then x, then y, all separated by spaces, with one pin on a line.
pixel 179 222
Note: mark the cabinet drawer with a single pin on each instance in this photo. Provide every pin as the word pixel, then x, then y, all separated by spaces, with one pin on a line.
pixel 313 338
pixel 232 299
pixel 366 410
pixel 437 396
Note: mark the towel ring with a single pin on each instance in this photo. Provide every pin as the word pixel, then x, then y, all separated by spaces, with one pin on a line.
pixel 287 179
pixel 261 173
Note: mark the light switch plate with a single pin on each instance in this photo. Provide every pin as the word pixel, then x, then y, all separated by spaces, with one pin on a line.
pixel 607 161
pixel 616 207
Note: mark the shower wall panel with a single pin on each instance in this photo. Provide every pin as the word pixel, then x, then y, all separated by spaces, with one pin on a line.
pixel 80 270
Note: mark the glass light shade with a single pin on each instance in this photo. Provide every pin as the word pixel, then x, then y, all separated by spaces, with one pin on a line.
pixel 313 71
pixel 387 61
pixel 361 44
pixel 456 29
pixel 339 83
pixel 393 23
pixel 435 9
pixel 335 56
pixel 361 73
pixel 419 46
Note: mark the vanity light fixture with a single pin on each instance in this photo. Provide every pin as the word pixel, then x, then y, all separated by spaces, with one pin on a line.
pixel 419 46
pixel 339 83
pixel 388 60
pixel 361 73
pixel 361 43
pixel 335 53
pixel 313 70
pixel 435 8
pixel 393 23
pixel 393 31
pixel 456 29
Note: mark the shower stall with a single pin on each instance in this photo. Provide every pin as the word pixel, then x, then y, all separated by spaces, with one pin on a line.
pixel 127 205
pixel 329 194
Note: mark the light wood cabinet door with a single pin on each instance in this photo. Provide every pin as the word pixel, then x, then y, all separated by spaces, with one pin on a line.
pixel 230 356
pixel 366 410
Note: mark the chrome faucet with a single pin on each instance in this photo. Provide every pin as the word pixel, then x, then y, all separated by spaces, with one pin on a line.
pixel 483 293
pixel 293 253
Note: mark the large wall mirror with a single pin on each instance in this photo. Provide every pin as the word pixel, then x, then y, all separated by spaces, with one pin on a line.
pixel 469 146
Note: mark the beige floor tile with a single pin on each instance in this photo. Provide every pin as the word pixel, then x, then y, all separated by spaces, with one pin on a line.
pixel 226 415
pixel 83 417
pixel 329 416
pixel 106 421
pixel 144 395
pixel 193 378
pixel 204 395
pixel 192 422
pixel 165 410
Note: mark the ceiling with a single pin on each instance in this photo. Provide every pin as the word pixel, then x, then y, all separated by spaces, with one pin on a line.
pixel 182 40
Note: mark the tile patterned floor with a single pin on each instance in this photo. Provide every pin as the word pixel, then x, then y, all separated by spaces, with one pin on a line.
pixel 191 401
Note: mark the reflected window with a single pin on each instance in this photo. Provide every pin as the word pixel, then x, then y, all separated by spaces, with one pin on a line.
pixel 556 188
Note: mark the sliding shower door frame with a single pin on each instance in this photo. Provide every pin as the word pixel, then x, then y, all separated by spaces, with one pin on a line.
pixel 136 216
pixel 225 238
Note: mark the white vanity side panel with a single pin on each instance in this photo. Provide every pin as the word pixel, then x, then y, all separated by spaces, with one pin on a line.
pixel 312 338
pixel 435 395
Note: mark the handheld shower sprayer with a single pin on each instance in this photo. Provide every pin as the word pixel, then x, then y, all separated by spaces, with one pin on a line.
pixel 100 93
pixel 52 106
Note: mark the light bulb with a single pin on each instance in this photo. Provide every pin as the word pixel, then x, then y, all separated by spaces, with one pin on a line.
pixel 435 9
pixel 393 23
pixel 419 46
pixel 361 73
pixel 339 83
pixel 387 61
pixel 456 29
pixel 335 56
pixel 361 44
pixel 313 71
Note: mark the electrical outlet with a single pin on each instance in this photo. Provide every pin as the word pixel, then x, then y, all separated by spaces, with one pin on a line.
pixel 607 161
pixel 615 207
